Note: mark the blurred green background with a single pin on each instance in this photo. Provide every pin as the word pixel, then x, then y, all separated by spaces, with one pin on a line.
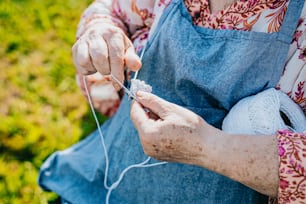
pixel 41 107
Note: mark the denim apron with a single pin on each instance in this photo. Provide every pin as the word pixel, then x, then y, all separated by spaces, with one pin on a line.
pixel 204 70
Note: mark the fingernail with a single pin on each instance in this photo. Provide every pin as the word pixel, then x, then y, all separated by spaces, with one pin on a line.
pixel 141 94
pixel 117 86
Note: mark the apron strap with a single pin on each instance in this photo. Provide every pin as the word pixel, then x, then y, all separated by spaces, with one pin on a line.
pixel 291 20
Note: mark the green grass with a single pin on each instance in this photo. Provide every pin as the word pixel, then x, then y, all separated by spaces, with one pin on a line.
pixel 42 109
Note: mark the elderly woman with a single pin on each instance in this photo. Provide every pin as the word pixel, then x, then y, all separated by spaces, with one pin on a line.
pixel 201 58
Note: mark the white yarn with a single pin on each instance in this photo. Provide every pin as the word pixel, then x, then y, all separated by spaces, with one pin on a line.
pixel 135 86
pixel 143 164
pixel 260 114
pixel 138 85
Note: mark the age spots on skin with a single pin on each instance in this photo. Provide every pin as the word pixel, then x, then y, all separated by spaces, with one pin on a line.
pixel 155 148
pixel 169 145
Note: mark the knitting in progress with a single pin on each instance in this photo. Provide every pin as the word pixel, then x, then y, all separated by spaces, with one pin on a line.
pixel 139 85
pixel 135 86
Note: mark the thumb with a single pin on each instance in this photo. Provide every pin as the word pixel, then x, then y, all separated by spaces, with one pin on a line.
pixel 138 115
pixel 132 60
pixel 156 104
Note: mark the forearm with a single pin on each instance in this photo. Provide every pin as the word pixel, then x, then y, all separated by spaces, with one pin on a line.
pixel 179 135
pixel 133 17
pixel 251 160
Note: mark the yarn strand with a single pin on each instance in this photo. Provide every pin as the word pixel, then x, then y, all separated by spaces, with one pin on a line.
pixel 143 164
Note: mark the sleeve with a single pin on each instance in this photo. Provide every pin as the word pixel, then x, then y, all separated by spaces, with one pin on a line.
pixel 292 167
pixel 135 19
pixel 292 146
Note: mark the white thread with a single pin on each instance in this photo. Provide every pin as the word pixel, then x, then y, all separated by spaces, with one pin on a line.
pixel 141 55
pixel 100 132
pixel 140 165
pixel 143 164
pixel 130 94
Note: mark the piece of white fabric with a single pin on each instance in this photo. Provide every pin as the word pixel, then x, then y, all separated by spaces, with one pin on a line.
pixel 261 114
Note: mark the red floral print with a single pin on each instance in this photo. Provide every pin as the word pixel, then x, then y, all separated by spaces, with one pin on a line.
pixel 292 170
pixel 138 18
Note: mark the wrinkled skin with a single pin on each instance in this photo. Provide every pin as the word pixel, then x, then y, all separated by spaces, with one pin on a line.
pixel 172 133
pixel 105 48
pixel 169 132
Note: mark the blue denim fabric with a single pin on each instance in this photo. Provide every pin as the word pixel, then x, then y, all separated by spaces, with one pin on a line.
pixel 204 70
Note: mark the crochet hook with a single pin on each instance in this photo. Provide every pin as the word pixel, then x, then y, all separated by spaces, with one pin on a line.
pixel 126 90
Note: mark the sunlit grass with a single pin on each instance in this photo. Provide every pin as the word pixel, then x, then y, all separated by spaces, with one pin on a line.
pixel 41 108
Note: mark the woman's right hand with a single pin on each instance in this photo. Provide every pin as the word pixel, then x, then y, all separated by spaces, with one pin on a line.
pixel 105 48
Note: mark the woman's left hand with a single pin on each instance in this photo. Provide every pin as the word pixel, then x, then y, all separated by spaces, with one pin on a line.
pixel 169 132
pixel 176 134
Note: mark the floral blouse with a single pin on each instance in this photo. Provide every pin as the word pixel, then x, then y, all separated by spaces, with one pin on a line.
pixel 138 18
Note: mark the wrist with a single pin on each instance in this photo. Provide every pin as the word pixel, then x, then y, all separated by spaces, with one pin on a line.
pixel 249 159
pixel 212 145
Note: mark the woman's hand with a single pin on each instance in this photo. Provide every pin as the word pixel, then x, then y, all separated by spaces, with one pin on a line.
pixel 105 48
pixel 172 133
pixel 169 132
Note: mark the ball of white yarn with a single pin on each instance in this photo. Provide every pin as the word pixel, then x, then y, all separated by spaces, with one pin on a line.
pixel 261 114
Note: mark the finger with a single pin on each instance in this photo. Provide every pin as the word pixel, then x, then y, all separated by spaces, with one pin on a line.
pixel 152 115
pixel 99 54
pixel 115 45
pixel 157 105
pixel 138 115
pixel 132 60
pixel 82 58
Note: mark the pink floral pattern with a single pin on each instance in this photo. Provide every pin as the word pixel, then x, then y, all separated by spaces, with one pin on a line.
pixel 302 55
pixel 299 95
pixel 293 80
pixel 138 18
pixel 292 170
pixel 237 15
